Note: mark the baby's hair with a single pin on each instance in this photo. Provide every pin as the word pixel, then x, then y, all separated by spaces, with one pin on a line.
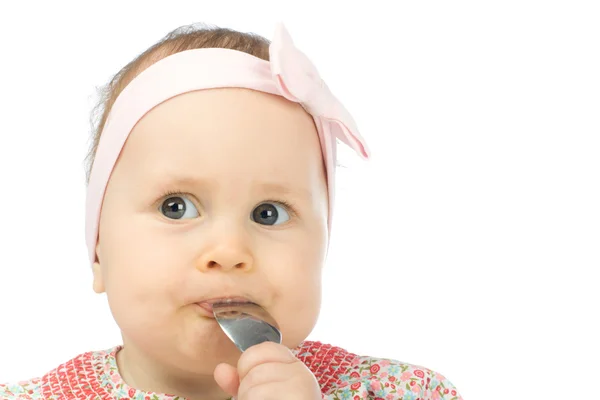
pixel 188 37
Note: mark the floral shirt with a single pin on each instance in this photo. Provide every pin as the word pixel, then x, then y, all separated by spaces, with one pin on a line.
pixel 341 376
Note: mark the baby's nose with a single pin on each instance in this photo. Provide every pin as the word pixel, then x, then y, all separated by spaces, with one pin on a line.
pixel 225 258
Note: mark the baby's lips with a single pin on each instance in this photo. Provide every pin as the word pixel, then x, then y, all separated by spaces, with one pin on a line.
pixel 208 303
pixel 227 299
pixel 206 306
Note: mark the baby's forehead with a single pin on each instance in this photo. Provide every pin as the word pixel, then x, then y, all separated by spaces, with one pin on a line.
pixel 238 136
pixel 226 126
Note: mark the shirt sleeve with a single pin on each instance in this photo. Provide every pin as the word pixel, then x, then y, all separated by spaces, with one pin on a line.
pixel 376 378
pixel 26 390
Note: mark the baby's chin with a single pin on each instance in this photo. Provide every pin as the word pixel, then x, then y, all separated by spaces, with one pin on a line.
pixel 208 349
pixel 196 348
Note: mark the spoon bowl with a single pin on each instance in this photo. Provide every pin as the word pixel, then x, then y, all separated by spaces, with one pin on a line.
pixel 246 324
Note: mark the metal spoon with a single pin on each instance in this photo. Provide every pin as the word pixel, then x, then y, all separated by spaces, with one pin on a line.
pixel 246 324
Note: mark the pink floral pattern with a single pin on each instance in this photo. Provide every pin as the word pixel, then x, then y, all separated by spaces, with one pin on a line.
pixel 341 376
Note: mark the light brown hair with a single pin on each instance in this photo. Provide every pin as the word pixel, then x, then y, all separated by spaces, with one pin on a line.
pixel 188 37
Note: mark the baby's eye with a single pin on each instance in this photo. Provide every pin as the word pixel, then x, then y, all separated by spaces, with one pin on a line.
pixel 269 214
pixel 178 207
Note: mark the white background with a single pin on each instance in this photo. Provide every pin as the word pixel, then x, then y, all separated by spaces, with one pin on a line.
pixel 469 244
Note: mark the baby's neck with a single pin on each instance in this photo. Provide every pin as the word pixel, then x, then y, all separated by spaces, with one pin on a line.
pixel 142 373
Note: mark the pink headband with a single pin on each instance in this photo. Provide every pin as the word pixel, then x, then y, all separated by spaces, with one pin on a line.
pixel 289 74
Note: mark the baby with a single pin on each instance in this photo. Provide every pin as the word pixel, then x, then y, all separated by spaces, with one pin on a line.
pixel 212 177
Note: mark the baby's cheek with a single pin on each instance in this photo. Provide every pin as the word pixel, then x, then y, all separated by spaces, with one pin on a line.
pixel 136 290
pixel 298 308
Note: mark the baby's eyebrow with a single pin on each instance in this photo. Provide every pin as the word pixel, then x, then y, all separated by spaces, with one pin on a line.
pixel 260 187
pixel 186 181
pixel 284 190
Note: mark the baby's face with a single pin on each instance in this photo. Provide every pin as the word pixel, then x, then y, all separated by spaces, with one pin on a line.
pixel 232 159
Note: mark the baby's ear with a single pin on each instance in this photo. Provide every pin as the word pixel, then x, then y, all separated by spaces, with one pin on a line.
pixel 98 284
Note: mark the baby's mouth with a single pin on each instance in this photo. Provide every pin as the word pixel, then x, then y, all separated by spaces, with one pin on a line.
pixel 208 304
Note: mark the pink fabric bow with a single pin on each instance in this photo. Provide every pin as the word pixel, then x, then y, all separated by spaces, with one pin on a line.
pixel 298 80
